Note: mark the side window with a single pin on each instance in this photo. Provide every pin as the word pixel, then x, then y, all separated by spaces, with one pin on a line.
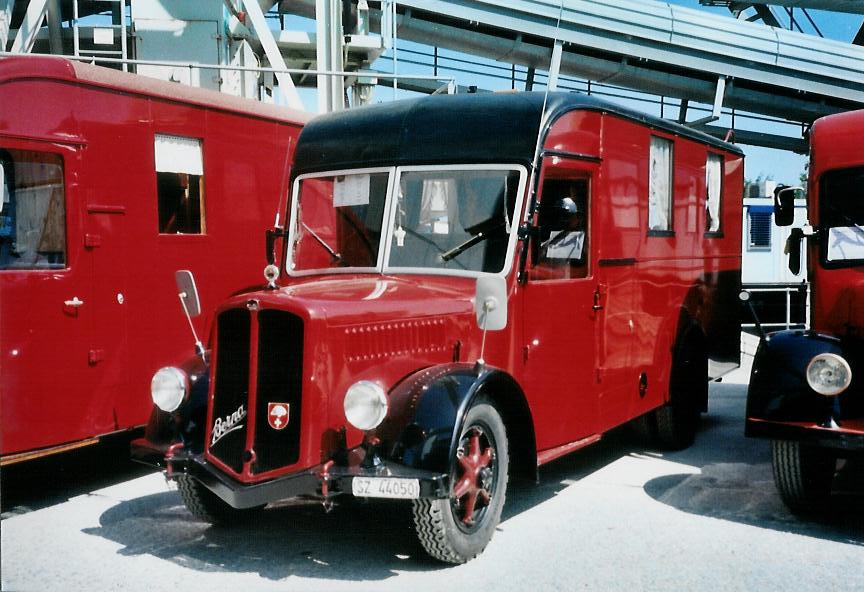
pixel 759 228
pixel 561 250
pixel 180 185
pixel 32 210
pixel 660 186
pixel 713 192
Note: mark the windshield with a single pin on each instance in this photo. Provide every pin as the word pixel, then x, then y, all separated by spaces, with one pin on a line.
pixel 447 218
pixel 453 219
pixel 338 221
pixel 842 216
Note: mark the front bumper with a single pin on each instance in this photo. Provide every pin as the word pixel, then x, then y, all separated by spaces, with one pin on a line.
pixel 325 481
pixel 847 436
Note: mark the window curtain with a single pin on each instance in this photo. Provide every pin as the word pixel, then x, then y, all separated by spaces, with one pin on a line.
pixel 660 185
pixel 713 186
pixel 175 154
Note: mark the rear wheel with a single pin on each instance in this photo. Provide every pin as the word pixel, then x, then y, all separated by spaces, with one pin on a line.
pixel 458 528
pixel 207 506
pixel 678 420
pixel 803 475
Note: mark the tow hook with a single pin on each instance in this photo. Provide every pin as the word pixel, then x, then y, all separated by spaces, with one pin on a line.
pixel 371 460
pixel 324 475
pixel 169 456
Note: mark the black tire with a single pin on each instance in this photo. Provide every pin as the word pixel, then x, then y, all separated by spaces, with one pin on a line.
pixel 803 475
pixel 678 420
pixel 207 506
pixel 457 529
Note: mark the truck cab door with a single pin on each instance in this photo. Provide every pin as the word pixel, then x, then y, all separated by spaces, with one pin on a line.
pixel 562 306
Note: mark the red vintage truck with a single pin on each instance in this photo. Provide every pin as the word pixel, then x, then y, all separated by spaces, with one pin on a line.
pixel 467 287
pixel 805 389
pixel 110 182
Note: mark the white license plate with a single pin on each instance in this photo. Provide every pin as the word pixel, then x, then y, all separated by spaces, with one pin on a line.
pixel 390 487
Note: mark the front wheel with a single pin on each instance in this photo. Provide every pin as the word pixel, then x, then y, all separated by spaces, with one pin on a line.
pixel 803 475
pixel 458 528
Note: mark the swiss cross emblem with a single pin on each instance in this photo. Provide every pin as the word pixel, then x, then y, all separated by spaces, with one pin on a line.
pixel 277 415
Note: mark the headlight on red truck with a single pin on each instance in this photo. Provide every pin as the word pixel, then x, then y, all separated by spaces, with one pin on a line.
pixel 168 388
pixel 365 405
pixel 829 374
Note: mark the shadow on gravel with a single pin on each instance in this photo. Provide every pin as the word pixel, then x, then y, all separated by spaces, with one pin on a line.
pixel 359 540
pixel 736 481
pixel 374 540
pixel 356 541
pixel 746 494
pixel 47 481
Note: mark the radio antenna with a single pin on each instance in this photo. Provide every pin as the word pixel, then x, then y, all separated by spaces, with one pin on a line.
pixel 535 163
pixel 282 206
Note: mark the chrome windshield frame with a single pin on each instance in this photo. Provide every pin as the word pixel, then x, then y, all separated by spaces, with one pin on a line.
pixel 292 222
pixel 514 222
pixel 389 219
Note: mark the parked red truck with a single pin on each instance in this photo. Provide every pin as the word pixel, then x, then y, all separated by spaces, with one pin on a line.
pixel 806 393
pixel 467 287
pixel 110 182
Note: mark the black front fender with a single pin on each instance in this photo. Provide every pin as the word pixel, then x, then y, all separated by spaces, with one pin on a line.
pixel 779 391
pixel 428 408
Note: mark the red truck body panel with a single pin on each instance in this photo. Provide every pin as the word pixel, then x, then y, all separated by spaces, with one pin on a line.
pixel 74 372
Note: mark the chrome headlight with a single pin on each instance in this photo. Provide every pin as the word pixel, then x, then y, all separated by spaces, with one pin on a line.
pixel 365 405
pixel 829 374
pixel 168 388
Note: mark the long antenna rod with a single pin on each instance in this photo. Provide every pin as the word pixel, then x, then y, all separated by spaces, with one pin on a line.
pixel 535 163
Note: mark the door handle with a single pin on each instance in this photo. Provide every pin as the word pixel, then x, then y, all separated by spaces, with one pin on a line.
pixel 74 302
pixel 598 297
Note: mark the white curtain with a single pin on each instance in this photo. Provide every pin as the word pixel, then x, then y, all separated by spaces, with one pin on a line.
pixel 175 154
pixel 713 186
pixel 660 185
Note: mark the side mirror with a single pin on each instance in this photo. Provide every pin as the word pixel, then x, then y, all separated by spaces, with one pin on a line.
pixel 188 292
pixel 784 204
pixel 490 303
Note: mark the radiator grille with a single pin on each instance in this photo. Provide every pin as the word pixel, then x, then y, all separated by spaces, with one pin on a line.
pixel 280 367
pixel 231 389
pixel 279 382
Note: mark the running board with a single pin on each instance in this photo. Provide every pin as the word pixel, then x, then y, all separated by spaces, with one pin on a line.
pixel 551 454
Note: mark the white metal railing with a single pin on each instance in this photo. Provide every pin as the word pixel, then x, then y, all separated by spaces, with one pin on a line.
pixel 789 290
pixel 448 86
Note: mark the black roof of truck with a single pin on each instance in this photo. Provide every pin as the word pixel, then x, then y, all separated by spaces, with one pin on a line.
pixel 453 129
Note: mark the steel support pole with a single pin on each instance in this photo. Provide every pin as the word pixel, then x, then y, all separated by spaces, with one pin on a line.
pixel 329 40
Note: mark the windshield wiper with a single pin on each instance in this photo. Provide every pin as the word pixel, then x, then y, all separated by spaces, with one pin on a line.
pixel 336 256
pixel 476 239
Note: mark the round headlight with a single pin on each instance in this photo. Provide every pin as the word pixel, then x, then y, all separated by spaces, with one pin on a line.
pixel 365 405
pixel 168 388
pixel 829 374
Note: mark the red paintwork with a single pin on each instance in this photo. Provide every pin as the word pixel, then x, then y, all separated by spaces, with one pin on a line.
pixel 579 367
pixel 69 374
pixel 837 294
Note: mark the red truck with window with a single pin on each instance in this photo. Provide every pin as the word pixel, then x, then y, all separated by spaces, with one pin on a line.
pixel 467 287
pixel 806 393
pixel 110 182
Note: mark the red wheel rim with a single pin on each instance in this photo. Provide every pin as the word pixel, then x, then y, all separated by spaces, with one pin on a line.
pixel 474 481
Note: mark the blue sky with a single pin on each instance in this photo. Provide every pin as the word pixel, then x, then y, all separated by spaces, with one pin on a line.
pixel 784 167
